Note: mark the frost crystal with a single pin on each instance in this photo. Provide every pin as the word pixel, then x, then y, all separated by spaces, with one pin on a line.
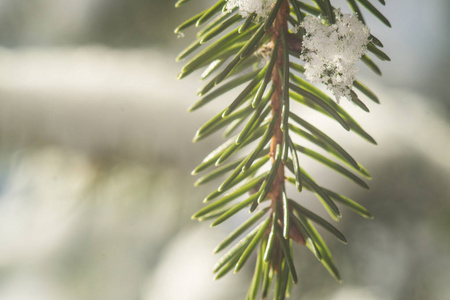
pixel 247 7
pixel 331 51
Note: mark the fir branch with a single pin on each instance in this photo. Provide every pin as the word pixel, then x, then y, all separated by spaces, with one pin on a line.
pixel 271 32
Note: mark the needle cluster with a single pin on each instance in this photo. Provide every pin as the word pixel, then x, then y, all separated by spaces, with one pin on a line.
pixel 250 49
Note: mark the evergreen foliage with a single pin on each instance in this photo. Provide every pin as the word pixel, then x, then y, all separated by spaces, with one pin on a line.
pixel 256 50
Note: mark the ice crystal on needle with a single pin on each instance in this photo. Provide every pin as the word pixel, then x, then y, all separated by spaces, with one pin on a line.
pixel 247 7
pixel 331 51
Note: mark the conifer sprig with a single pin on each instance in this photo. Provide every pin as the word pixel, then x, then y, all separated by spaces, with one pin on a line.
pixel 254 46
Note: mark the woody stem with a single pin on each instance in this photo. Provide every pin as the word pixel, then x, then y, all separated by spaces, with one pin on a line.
pixel 278 26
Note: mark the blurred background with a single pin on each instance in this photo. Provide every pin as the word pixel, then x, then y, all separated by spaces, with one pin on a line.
pixel 96 153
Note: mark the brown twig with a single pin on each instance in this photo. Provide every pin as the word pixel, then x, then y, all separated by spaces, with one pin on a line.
pixel 275 195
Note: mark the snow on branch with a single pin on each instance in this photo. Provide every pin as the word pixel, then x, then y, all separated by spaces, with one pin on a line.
pixel 247 7
pixel 330 51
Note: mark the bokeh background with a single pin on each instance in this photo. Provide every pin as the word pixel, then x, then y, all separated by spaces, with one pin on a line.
pixel 96 153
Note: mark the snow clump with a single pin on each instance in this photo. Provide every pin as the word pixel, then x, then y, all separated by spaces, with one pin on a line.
pixel 247 7
pixel 331 51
